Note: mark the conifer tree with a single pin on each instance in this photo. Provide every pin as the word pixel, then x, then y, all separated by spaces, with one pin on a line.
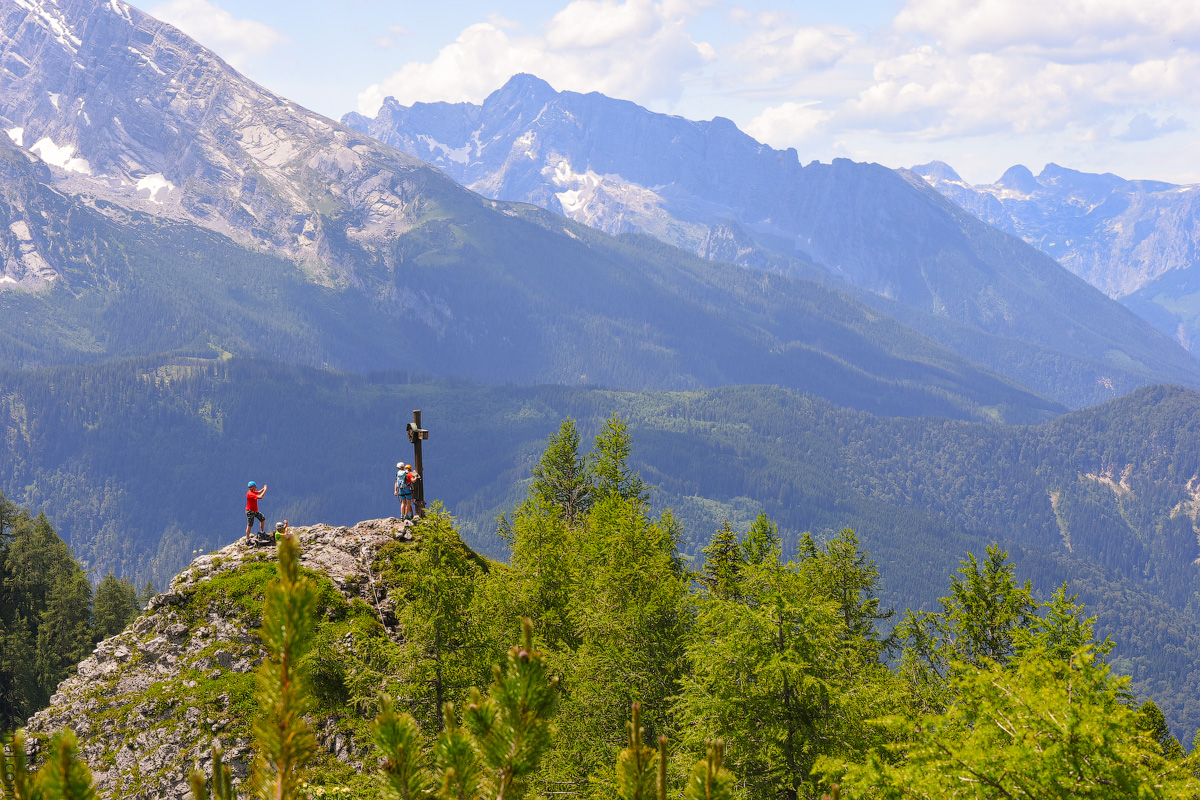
pixel 222 779
pixel 283 740
pixel 116 606
pixel 844 573
pixel 608 463
pixel 628 604
pixel 761 544
pixel 709 779
pixel 18 783
pixel 398 741
pixel 148 593
pixel 987 607
pixel 764 673
pixel 438 613
pixel 491 755
pixel 1028 730
pixel 723 563
pixel 637 764
pixel 560 479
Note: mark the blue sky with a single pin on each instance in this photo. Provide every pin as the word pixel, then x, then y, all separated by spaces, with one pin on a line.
pixel 1095 85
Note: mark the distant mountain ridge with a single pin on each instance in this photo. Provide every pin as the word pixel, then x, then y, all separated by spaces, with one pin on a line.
pixel 1136 240
pixel 711 189
pixel 272 232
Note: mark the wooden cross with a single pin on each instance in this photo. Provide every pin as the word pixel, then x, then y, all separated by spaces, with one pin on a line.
pixel 416 435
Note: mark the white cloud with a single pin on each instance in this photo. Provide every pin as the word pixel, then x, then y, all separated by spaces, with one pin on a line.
pixel 636 49
pixel 774 51
pixel 1091 70
pixel 238 41
pixel 788 124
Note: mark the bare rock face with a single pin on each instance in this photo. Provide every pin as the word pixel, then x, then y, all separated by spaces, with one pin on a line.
pixel 125 108
pixel 149 703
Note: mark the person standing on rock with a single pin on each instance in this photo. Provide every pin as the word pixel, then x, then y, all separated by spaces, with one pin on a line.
pixel 411 477
pixel 253 495
pixel 403 490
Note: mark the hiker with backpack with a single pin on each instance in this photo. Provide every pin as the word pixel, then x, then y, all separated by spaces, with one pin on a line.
pixel 403 490
pixel 253 495
pixel 411 477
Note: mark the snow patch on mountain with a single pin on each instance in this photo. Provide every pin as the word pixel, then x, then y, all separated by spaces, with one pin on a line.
pixel 53 20
pixel 458 155
pixel 17 135
pixel 62 157
pixel 156 185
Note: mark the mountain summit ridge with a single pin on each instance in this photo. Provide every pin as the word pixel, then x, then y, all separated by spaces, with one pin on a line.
pixel 182 674
pixel 884 236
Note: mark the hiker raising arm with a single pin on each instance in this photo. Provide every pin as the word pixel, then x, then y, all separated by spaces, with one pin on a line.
pixel 253 495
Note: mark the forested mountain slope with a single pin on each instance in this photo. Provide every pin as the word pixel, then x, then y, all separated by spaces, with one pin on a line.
pixel 1106 498
pixel 709 188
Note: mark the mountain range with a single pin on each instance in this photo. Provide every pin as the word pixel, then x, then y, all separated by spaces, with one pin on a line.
pixel 273 232
pixel 204 282
pixel 1135 240
pixel 880 234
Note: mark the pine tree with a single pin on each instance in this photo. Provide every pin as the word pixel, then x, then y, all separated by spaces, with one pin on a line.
pixel 64 776
pixel 221 783
pixel 608 463
pixel 638 764
pixel 560 479
pixel 511 724
pixel 148 593
pixel 723 563
pixel 761 544
pixel 16 780
pixel 115 607
pixel 283 740
pixel 492 754
pixel 709 779
pixel 398 741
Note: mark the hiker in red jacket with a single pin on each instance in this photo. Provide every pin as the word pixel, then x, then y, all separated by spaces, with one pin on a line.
pixel 253 495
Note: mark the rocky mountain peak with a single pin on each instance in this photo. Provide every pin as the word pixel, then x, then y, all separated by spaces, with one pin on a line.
pixel 520 89
pixel 936 171
pixel 148 703
pixel 124 107
pixel 1019 179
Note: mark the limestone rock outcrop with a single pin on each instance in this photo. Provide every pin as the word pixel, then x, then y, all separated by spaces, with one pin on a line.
pixel 150 701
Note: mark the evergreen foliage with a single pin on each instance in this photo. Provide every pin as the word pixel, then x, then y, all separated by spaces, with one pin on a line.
pixel 45 613
pixel 723 562
pixel 283 740
pixel 560 479
pixel 1036 728
pixel 609 466
pixel 116 605
pixel 63 776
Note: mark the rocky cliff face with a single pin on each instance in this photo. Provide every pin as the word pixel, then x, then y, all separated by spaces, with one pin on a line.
pixel 149 702
pixel 126 109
